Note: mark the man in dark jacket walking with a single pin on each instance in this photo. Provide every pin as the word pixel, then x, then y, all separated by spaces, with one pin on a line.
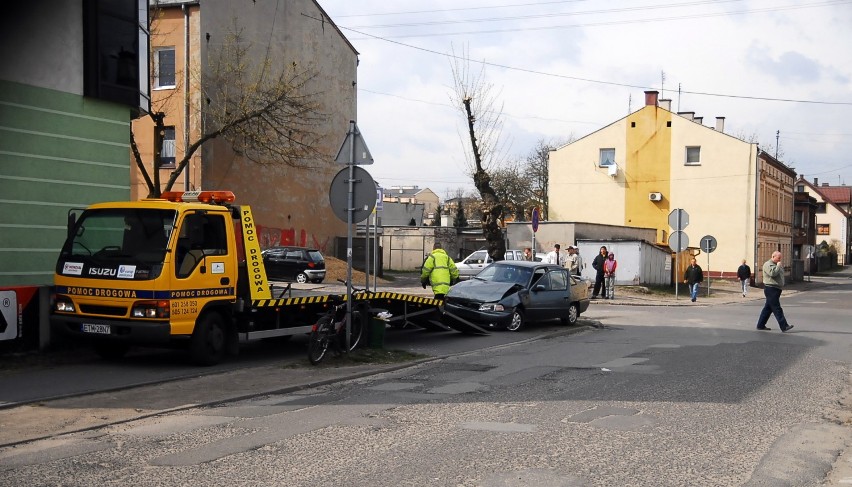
pixel 693 276
pixel 598 265
pixel 744 275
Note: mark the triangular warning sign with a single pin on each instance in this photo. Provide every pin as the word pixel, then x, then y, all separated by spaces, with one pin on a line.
pixel 361 155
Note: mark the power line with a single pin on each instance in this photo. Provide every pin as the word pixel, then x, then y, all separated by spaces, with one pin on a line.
pixel 553 15
pixel 593 24
pixel 489 7
pixel 588 80
pixel 451 107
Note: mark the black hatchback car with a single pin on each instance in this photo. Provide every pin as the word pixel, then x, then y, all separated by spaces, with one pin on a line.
pixel 298 264
pixel 509 293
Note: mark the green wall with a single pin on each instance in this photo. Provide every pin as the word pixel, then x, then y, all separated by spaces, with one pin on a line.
pixel 57 151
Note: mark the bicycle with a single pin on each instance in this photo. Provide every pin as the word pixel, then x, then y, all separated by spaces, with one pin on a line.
pixel 330 329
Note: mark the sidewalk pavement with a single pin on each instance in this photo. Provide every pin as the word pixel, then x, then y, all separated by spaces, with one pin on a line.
pixel 720 292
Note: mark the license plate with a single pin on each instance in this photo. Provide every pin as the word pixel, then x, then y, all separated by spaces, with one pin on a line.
pixel 99 329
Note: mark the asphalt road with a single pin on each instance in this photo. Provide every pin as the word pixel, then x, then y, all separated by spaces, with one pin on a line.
pixel 664 395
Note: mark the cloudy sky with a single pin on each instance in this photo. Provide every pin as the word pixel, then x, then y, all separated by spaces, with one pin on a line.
pixel 567 68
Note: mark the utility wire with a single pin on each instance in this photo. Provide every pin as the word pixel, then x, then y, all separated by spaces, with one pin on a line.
pixel 588 80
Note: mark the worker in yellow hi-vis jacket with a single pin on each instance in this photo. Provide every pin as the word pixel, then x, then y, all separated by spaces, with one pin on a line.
pixel 440 271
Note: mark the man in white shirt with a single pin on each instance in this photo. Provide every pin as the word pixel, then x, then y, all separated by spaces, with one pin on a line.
pixel 555 257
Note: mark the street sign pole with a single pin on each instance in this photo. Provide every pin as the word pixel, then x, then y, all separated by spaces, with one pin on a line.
pixel 678 241
pixel 677 255
pixel 535 218
pixel 677 260
pixel 349 213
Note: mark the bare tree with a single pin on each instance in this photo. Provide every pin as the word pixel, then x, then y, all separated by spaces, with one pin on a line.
pixel 537 171
pixel 268 114
pixel 475 98
pixel 512 186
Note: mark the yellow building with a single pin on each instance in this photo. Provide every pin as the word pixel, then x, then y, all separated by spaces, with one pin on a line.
pixel 290 204
pixel 637 170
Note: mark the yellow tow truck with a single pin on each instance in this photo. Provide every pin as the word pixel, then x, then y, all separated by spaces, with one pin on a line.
pixel 184 270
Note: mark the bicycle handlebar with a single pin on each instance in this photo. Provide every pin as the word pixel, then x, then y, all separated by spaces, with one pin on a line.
pixel 356 289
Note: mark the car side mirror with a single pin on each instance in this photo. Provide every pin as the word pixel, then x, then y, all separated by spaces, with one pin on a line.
pixel 538 287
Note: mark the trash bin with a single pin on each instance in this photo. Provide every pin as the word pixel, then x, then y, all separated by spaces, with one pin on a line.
pixel 377 332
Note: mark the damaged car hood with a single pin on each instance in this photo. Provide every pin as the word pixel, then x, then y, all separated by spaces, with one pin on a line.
pixel 482 291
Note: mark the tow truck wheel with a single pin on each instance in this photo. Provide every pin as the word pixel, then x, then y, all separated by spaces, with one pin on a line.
pixel 111 351
pixel 207 345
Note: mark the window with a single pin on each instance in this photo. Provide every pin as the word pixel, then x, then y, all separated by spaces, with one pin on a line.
pixel 823 229
pixel 167 153
pixel 800 188
pixel 607 157
pixel 164 67
pixel 798 217
pixel 820 208
pixel 115 46
pixel 693 156
pixel 200 235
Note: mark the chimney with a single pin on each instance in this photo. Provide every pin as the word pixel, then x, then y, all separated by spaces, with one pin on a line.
pixel 687 115
pixel 816 181
pixel 720 124
pixel 698 120
pixel 666 103
pixel 651 98
pixel 824 185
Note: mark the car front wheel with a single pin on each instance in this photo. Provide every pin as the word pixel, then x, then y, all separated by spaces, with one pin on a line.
pixel 517 320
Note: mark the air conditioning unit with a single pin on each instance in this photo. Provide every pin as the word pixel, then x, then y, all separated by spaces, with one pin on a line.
pixel 612 170
pixel 655 196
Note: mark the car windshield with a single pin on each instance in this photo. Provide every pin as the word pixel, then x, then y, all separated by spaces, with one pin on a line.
pixel 501 272
pixel 126 234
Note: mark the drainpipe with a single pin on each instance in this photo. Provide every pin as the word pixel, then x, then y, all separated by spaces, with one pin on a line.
pixel 188 167
pixel 755 153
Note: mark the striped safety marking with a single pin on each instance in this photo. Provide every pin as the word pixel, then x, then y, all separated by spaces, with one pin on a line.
pixel 385 296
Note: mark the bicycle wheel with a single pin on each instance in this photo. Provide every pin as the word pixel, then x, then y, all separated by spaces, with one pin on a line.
pixel 320 339
pixel 357 331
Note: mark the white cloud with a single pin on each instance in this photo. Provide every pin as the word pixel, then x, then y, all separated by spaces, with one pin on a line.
pixel 786 49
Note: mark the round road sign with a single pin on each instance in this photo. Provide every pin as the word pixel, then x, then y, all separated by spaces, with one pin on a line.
pixel 708 243
pixel 535 218
pixel 364 194
pixel 678 241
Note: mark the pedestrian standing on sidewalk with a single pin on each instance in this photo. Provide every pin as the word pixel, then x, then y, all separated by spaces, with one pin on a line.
pixel 574 263
pixel 744 275
pixel 598 265
pixel 773 281
pixel 609 274
pixel 555 257
pixel 693 277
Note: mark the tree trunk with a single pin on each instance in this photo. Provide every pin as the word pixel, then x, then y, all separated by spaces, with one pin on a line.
pixel 492 209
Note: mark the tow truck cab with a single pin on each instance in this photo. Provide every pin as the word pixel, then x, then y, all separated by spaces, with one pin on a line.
pixel 158 272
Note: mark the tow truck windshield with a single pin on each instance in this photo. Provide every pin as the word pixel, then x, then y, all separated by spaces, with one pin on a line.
pixel 124 243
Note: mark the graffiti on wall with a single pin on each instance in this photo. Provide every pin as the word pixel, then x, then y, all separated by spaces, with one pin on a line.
pixel 273 237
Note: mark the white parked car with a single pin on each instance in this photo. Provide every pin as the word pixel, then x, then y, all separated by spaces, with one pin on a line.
pixel 475 262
